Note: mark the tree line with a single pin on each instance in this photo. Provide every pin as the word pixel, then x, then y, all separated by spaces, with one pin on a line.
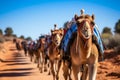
pixel 106 30
pixel 9 32
pixel 110 39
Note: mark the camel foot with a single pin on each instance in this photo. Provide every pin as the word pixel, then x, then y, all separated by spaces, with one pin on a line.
pixel 49 73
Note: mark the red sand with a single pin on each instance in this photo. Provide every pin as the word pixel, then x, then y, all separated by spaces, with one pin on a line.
pixel 15 66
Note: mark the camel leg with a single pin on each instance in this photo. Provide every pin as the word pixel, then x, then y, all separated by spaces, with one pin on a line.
pixel 41 63
pixel 66 70
pixel 52 69
pixel 45 63
pixel 85 72
pixel 45 67
pixel 49 66
pixel 58 69
pixel 40 68
pixel 92 71
pixel 70 70
pixel 38 62
pixel 76 70
pixel 25 52
pixel 31 58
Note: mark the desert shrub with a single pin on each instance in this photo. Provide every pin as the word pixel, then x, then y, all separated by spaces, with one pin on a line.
pixel 106 36
pixel 8 38
pixel 117 49
pixel 114 41
pixel 117 39
pixel 105 42
pixel 2 39
pixel 22 37
pixel 14 35
pixel 106 39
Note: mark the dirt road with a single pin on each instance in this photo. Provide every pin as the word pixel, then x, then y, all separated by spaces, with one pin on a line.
pixel 15 66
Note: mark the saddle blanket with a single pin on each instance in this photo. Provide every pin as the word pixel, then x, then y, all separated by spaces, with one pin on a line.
pixel 73 29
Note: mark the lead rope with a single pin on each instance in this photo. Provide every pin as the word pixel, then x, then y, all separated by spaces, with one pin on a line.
pixel 85 44
pixel 77 42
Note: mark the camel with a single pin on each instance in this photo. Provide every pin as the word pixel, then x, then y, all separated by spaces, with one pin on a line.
pixel 83 51
pixel 24 46
pixel 18 45
pixel 30 50
pixel 40 54
pixel 54 52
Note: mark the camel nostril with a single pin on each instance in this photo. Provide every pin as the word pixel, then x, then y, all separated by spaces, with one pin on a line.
pixel 56 41
pixel 86 28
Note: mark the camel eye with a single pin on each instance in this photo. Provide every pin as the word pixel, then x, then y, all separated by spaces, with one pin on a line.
pixel 92 23
pixel 78 23
pixel 61 34
pixel 53 34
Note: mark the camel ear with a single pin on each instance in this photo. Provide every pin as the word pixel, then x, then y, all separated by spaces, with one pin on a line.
pixel 51 31
pixel 93 16
pixel 62 31
pixel 76 16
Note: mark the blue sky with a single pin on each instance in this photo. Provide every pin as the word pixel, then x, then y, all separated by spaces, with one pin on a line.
pixel 35 17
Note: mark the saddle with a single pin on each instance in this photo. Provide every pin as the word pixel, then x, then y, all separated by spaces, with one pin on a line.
pixel 71 34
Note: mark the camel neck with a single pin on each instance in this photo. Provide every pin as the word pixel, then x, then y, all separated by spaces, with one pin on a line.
pixel 83 46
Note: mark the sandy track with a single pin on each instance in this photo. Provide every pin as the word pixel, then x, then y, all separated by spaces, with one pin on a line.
pixel 15 66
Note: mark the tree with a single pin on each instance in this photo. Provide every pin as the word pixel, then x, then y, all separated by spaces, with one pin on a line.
pixel 14 35
pixel 106 33
pixel 8 31
pixel 117 27
pixel 22 37
pixel 28 38
pixel 1 32
pixel 106 30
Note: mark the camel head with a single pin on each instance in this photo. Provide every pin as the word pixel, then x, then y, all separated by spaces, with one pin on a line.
pixel 42 39
pixel 56 36
pixel 85 24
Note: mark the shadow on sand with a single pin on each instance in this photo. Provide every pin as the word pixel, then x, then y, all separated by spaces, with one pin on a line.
pixel 16 59
pixel 18 69
pixel 113 55
pixel 114 74
pixel 14 74
pixel 18 64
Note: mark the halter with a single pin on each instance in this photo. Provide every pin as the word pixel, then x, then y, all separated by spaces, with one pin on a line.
pixel 84 39
pixel 81 26
pixel 57 46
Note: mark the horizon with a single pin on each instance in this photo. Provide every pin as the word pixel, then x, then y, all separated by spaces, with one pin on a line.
pixel 32 18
